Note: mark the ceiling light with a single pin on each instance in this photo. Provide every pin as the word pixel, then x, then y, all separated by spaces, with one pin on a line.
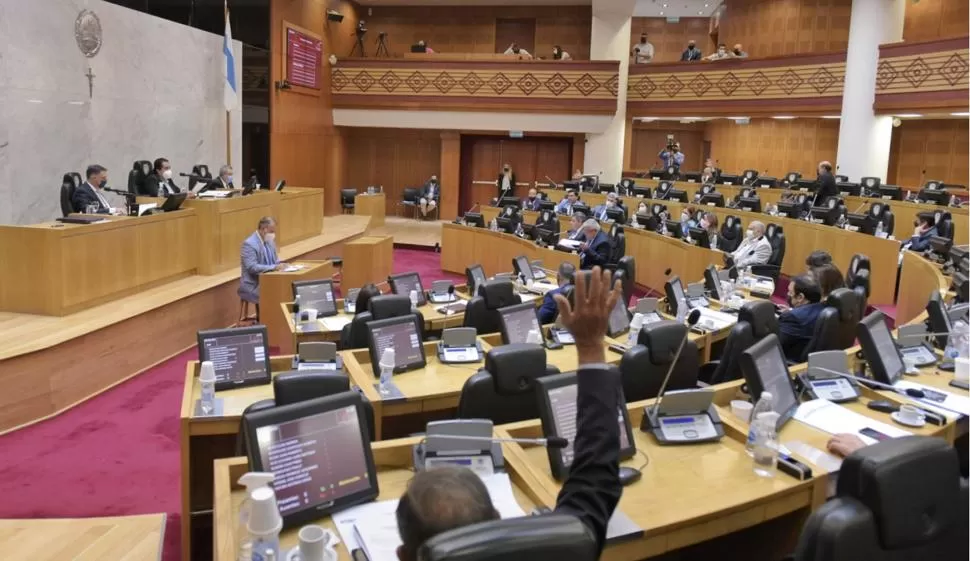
pixel 700 13
pixel 909 115
pixel 736 118
pixel 35 101
pixel 665 5
pixel 661 13
pixel 76 102
pixel 831 116
pixel 960 114
pixel 706 5
pixel 783 117
pixel 691 118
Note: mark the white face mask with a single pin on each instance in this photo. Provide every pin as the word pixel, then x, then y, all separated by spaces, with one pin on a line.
pixel 610 204
pixel 749 233
pixel 269 237
pixel 167 174
pixel 704 224
pixel 642 209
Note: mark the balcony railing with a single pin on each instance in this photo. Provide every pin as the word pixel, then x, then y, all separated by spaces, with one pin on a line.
pixel 925 75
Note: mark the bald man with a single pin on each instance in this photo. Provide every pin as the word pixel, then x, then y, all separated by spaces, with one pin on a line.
pixel 755 249
pixel 826 183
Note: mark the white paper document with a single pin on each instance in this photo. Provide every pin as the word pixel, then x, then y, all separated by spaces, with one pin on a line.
pixel 335 323
pixel 570 244
pixel 937 399
pixel 834 419
pixel 293 268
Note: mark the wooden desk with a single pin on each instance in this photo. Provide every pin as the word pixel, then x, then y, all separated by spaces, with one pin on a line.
pixel 57 269
pixel 225 223
pixel 371 205
pixel 393 459
pixel 919 278
pixel 462 246
pixel 368 259
pixel 300 214
pixel 275 288
pixel 128 538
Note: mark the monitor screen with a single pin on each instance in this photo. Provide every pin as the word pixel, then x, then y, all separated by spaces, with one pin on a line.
pixel 619 319
pixel 350 300
pixel 675 295
pixel 319 453
pixel 765 369
pixel 401 334
pixel 404 283
pixel 713 282
pixel 879 349
pixel 523 267
pixel 517 321
pixel 317 295
pixel 240 355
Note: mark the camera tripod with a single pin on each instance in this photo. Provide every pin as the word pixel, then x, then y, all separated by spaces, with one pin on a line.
pixel 382 46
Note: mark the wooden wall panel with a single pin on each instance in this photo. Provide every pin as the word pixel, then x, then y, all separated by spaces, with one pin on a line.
pixel 648 139
pixel 471 29
pixel 773 147
pixel 930 149
pixel 785 27
pixel 301 123
pixel 394 158
pixel 936 19
pixel 670 39
pixel 532 159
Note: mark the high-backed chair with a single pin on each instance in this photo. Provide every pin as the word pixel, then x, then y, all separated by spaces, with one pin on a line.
pixel 730 237
pixel 68 185
pixel 626 273
pixel 644 366
pixel 898 500
pixel 504 391
pixel 380 307
pixel 200 170
pixel 756 320
pixel 944 224
pixel 880 212
pixel 835 328
pixel 858 263
pixel 617 246
pixel 550 536
pixel 347 200
pixel 296 386
pixel 481 312
pixel 409 200
pixel 776 237
pixel 140 170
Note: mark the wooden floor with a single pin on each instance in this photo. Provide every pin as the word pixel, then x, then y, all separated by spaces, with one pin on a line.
pixel 408 231
pixel 119 538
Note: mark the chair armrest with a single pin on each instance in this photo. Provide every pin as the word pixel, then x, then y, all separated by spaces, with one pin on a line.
pixel 706 371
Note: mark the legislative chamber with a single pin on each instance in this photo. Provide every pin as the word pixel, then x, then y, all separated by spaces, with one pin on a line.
pixel 414 280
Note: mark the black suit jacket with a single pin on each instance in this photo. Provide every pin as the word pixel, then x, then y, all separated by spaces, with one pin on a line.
pixel 84 196
pixel 593 489
pixel 597 252
pixel 425 191
pixel 153 183
pixel 511 192
pixel 826 188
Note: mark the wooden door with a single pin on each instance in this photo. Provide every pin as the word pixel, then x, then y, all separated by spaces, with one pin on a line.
pixel 517 30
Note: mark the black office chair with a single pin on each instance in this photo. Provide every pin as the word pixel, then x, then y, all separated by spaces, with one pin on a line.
pixel 880 212
pixel 835 328
pixel 140 170
pixel 380 307
pixel 858 263
pixel 644 366
pixel 409 199
pixel 550 536
pixel 547 220
pixel 68 185
pixel 944 224
pixel 625 186
pixel 200 170
pixel 756 320
pixel 901 500
pixel 481 312
pixel 626 273
pixel 617 246
pixel 861 286
pixel 504 391
pixel 776 237
pixel 296 386
pixel 730 237
pixel 347 200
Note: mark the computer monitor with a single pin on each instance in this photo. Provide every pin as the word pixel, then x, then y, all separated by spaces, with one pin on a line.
pixel 789 210
pixel 766 181
pixel 862 223
pixel 941 245
pixel 849 189
pixel 805 185
pixel 713 199
pixel 641 192
pixel 516 322
pixel 240 355
pixel 403 334
pixel 656 173
pixel 940 197
pixel 505 224
pixel 712 282
pixel 418 48
pixel 547 205
pixel 728 179
pixel 606 187
pixel 404 283
pixel 547 236
pixel 319 452
pixel 938 319
pixel 522 267
pixel 890 193
pixel 825 215
pixel 475 219
pixel 174 201
pixel 764 368
pixel 750 204
pixel 648 221
pixel 879 349
pixel 677 195
pixel 674 290
pixel 580 207
pixel 316 294
pixel 350 301
pixel 618 321
pixel 700 237
pixel 558 412
pixel 870 183
pixel 674 229
pixel 957 254
pixel 474 277
pixel 616 215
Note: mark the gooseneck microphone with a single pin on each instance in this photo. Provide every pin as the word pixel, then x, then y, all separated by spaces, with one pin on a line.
pixel 551 442
pixel 908 392
pixel 118 192
pixel 691 321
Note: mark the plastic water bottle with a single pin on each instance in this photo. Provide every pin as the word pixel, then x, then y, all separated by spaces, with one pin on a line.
pixel 957 342
pixel 880 232
pixel 207 382
pixel 635 325
pixel 296 309
pixel 493 225
pixel 765 449
pixel 387 371
pixel 764 405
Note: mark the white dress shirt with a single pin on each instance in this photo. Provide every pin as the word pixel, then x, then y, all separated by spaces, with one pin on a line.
pixel 752 251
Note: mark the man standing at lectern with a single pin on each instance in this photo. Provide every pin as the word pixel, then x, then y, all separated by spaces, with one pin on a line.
pixel 258 255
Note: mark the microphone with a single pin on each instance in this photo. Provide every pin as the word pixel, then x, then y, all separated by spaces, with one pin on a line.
pixel 550 442
pixel 909 392
pixel 118 192
pixel 691 320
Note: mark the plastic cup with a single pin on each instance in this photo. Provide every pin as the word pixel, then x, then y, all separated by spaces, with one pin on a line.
pixel 264 516
pixel 311 314
pixel 961 370
pixel 742 409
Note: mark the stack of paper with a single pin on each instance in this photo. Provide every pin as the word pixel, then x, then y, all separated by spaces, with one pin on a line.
pixel 834 419
pixel 335 323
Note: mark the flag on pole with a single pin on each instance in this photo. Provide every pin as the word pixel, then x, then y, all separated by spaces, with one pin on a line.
pixel 230 97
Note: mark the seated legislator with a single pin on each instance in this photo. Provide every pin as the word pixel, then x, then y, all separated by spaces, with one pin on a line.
pixel 565 206
pixel 599 213
pixel 559 54
pixel 709 224
pixel 258 255
pixel 720 54
pixel 828 277
pixel 795 326
pixel 506 182
pixel 565 277
pixel 514 49
pixel 925 230
pixel 430 194
pixel 89 193
pixel 421 47
pixel 817 258
pixel 595 251
pixel 224 181
pixel 532 201
pixel 447 498
pixel 366 292
pixel 755 249
pixel 159 183
pixel 575 231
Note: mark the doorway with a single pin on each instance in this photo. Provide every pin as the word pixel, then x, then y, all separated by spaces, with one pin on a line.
pixel 521 31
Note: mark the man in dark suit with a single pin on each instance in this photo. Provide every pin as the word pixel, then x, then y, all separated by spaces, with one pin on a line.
pixel 89 193
pixel 826 183
pixel 159 183
pixel 224 181
pixel 565 277
pixel 429 195
pixel 596 249
pixel 795 327
pixel 532 201
pixel 443 499
pixel 506 182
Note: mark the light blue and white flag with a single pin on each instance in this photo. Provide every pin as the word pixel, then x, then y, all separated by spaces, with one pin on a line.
pixel 230 97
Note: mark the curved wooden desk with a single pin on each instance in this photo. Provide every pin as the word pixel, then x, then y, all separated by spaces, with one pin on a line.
pixel 918 279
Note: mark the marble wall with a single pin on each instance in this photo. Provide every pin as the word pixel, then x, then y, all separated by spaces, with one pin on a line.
pixel 158 91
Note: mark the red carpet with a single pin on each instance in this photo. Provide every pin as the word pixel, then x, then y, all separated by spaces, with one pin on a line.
pixel 118 454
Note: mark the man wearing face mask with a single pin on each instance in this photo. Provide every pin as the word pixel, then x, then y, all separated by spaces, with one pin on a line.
pixel 599 212
pixel 796 326
pixel 258 255
pixel 429 196
pixel 89 193
pixel 738 52
pixel 532 201
pixel 505 182
pixel 755 249
pixel 692 53
pixel 720 54
pixel 160 184
pixel 596 249
pixel 224 181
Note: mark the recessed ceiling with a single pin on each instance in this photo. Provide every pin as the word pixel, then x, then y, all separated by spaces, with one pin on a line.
pixel 675 8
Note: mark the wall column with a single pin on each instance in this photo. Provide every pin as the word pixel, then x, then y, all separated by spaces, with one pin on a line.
pixel 610 40
pixel 864 137
pixel 448 175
